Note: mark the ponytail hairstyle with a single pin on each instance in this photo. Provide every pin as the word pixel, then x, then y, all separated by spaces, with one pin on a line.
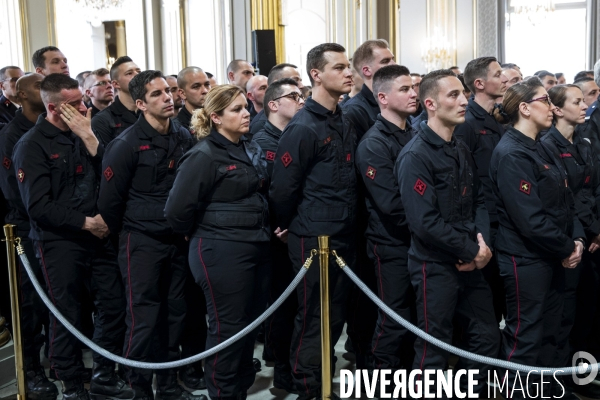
pixel 515 95
pixel 217 100
pixel 558 95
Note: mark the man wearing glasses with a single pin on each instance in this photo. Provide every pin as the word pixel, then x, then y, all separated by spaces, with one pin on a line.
pixel 9 77
pixel 99 88
pixel 282 101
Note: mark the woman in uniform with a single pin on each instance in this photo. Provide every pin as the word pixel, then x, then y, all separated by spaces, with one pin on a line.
pixel 539 234
pixel 219 201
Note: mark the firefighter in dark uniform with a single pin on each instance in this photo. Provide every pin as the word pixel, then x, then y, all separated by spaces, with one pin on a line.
pixel 99 89
pixel 57 165
pixel 539 233
pixel 193 85
pixel 138 172
pixel 481 132
pixel 33 312
pixel 388 237
pixel 362 109
pixel 121 114
pixel 8 82
pixel 591 128
pixel 219 200
pixel 580 162
pixel 445 210
pixel 314 193
pixel 283 99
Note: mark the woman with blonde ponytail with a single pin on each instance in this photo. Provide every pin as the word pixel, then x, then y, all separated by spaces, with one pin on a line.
pixel 219 201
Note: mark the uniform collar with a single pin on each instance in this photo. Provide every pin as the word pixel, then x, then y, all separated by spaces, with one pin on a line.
pixel 272 129
pixel 430 136
pixel 317 108
pixel 391 128
pixel 222 141
pixel 119 108
pixel 4 101
pixel 520 136
pixel 22 122
pixel 51 131
pixel 477 111
pixel 149 131
pixel 559 137
pixel 368 95
pixel 185 114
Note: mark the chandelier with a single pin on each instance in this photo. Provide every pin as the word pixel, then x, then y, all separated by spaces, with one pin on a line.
pixel 535 10
pixel 100 5
pixel 437 51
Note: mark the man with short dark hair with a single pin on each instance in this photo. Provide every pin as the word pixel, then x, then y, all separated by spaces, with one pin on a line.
pixel 194 85
pixel 283 99
pixel 280 71
pixel 416 80
pixel 8 84
pixel 99 89
pixel 121 114
pixel 455 69
pixel 81 79
pixel 590 129
pixel 548 79
pixel 362 109
pixel 583 74
pixel 50 60
pixel 590 90
pixel 212 79
pixel 33 312
pixel 388 237
pixel 446 214
pixel 313 193
pixel 174 88
pixel 512 76
pixel 481 132
pixel 57 166
pixel 239 73
pixel 138 172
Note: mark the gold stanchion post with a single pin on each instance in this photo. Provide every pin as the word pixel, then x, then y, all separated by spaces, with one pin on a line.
pixel 16 315
pixel 325 328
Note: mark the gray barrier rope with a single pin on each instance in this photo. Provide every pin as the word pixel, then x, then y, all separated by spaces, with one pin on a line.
pixel 449 348
pixel 163 365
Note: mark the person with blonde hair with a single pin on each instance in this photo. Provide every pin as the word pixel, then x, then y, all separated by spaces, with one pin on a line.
pixel 219 201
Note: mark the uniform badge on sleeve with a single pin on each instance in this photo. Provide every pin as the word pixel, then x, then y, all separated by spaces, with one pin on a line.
pixel 525 187
pixel 420 187
pixel 21 175
pixel 270 156
pixel 6 162
pixel 371 172
pixel 108 174
pixel 286 159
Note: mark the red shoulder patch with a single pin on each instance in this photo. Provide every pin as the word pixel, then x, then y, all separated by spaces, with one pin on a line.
pixel 171 164
pixel 21 175
pixel 6 162
pixel 79 169
pixel 587 179
pixel 420 187
pixel 108 174
pixel 270 156
pixel 286 159
pixel 371 172
pixel 54 156
pixel 145 147
pixel 483 131
pixel 525 187
pixel 565 155
pixel 231 167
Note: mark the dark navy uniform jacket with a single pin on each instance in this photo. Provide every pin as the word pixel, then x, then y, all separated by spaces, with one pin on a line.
pixel 184 118
pixel 138 172
pixel 416 121
pixel 12 132
pixel 7 111
pixel 268 140
pixel 362 110
pixel 220 191
pixel 481 133
pixel 58 180
pixel 257 124
pixel 590 129
pixel 112 121
pixel 442 197
pixel 584 177
pixel 314 183
pixel 375 158
pixel 535 205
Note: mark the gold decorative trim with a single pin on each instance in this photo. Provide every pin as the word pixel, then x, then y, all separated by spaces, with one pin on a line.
pixel 27 65
pixel 51 22
pixel 394 32
pixel 266 14
pixel 474 28
pixel 183 32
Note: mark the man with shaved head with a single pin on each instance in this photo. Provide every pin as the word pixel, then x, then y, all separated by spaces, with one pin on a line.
pixel 8 99
pixel 33 311
pixel 194 85
pixel 255 89
pixel 280 71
